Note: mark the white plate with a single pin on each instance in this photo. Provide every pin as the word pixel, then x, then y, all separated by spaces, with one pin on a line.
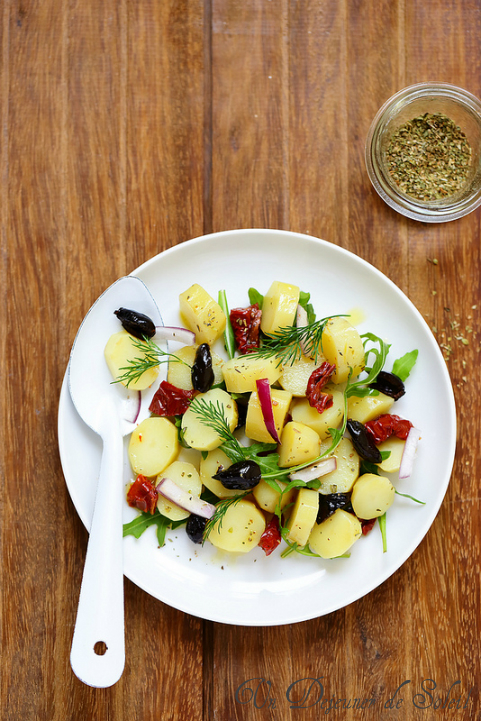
pixel 252 589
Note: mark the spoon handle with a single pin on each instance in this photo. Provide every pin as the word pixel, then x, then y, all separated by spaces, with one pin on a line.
pixel 98 647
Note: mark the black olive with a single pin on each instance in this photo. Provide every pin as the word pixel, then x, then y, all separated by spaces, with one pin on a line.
pixel 363 443
pixel 195 528
pixel 240 476
pixel 137 324
pixel 202 373
pixel 330 503
pixel 389 384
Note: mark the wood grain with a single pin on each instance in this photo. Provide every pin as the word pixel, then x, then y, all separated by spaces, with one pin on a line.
pixel 125 129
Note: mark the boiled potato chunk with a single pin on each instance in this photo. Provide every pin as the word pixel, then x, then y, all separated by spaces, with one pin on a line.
pixel 372 495
pixel 299 444
pixel 279 307
pixel 214 462
pixel 153 445
pixel 240 529
pixel 255 427
pixel 367 408
pixel 396 448
pixel 196 433
pixel 320 422
pixel 342 346
pixel 240 374
pixel 180 374
pixel 120 349
pixel 185 476
pixel 303 516
pixel 295 376
pixel 348 462
pixel 202 314
pixel 267 498
pixel 335 536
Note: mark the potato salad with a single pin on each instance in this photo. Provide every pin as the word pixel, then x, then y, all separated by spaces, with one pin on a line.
pixel 293 443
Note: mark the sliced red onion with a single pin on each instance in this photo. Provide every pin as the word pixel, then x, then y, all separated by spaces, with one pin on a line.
pixel 131 406
pixel 265 400
pixel 409 452
pixel 169 332
pixel 190 503
pixel 301 321
pixel 316 471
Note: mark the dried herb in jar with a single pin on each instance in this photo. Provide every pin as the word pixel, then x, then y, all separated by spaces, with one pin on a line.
pixel 429 157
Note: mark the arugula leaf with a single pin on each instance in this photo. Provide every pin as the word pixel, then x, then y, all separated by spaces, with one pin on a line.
pixel 267 463
pixel 368 467
pixel 255 297
pixel 403 366
pixel 406 495
pixel 379 359
pixel 273 484
pixel 209 497
pixel 229 339
pixel 138 525
pixel 180 431
pixel 304 299
pixel 363 392
pixel 382 526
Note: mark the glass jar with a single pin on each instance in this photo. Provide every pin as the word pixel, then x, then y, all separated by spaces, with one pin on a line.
pixel 456 104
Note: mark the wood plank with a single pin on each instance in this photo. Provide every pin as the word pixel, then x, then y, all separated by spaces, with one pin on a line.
pixel 165 135
pixel 318 120
pixel 250 115
pixel 375 59
pixel 444 282
pixel 32 230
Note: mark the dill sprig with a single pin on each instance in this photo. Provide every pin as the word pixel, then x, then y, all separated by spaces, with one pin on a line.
pixel 220 510
pixel 213 416
pixel 288 344
pixel 151 357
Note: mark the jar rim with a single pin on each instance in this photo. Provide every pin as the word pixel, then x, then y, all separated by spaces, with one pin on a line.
pixel 435 211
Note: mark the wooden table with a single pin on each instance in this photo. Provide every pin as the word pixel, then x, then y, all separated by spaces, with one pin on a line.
pixel 126 128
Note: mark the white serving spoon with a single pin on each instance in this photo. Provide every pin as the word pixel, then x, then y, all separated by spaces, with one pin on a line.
pixel 98 646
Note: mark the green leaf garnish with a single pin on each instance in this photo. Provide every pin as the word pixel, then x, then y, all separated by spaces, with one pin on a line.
pixel 382 526
pixel 402 367
pixel 304 299
pixel 229 339
pixel 255 297
pixel 138 525
pixel 406 495
pixel 378 355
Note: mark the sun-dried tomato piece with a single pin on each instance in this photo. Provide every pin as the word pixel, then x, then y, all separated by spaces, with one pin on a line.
pixel 246 323
pixel 317 380
pixel 367 526
pixel 386 426
pixel 170 400
pixel 271 537
pixel 142 495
